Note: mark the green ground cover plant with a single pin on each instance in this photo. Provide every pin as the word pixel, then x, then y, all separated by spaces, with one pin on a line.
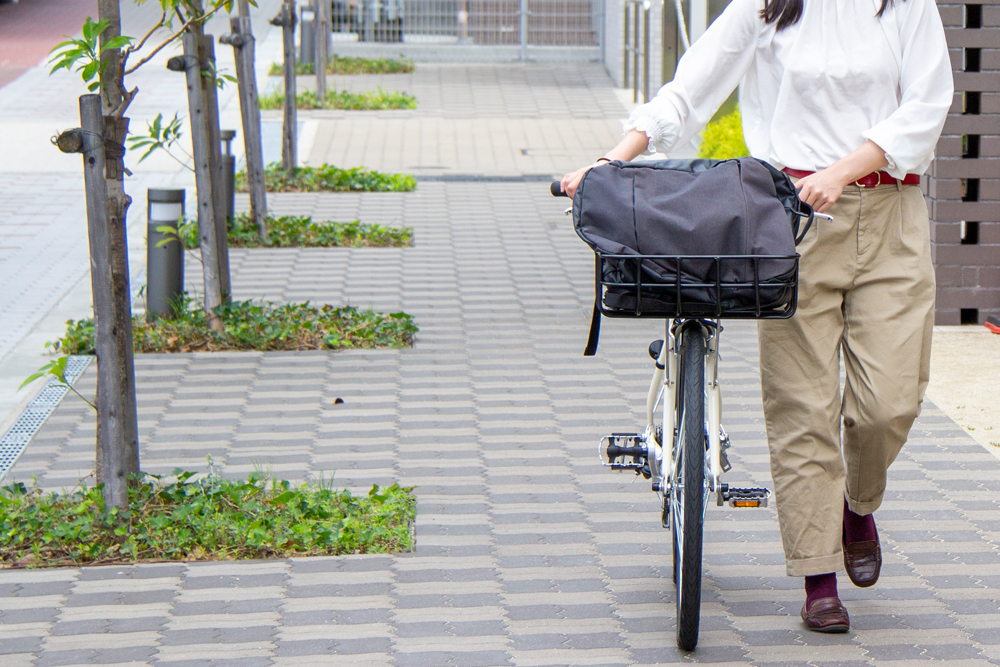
pixel 327 178
pixel 183 518
pixel 365 100
pixel 262 327
pixel 350 65
pixel 299 231
pixel 722 139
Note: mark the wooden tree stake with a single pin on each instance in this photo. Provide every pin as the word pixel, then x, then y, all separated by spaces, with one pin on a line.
pixel 116 411
pixel 210 97
pixel 321 22
pixel 289 144
pixel 201 150
pixel 243 42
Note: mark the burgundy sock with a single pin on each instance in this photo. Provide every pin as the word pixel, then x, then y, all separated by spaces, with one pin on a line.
pixel 821 586
pixel 858 528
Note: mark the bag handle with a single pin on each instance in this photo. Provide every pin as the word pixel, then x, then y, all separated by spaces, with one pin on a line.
pixel 809 223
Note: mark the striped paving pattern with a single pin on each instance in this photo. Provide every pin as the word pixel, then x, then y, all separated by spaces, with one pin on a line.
pixel 528 552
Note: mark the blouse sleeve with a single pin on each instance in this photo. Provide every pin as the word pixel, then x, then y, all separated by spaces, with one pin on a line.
pixel 706 74
pixel 908 136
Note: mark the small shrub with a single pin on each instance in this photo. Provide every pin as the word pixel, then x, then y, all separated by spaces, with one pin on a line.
pixel 212 518
pixel 368 100
pixel 299 231
pixel 723 139
pixel 327 178
pixel 255 326
pixel 350 65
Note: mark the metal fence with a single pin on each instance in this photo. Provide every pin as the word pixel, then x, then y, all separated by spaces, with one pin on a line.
pixel 485 22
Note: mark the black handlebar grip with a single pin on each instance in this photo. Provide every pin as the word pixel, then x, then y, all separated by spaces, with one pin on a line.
pixel 556 189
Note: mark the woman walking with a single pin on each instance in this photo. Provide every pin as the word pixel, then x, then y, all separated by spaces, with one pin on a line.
pixel 849 98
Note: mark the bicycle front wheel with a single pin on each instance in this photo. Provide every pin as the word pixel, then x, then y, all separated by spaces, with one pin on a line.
pixel 688 489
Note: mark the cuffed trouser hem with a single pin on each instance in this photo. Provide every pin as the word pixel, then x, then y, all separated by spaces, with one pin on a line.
pixel 807 567
pixel 864 509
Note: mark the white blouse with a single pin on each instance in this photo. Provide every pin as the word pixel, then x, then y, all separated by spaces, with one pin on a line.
pixel 815 91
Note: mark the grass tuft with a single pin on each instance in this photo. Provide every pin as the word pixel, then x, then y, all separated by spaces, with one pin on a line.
pixel 212 518
pixel 299 231
pixel 350 65
pixel 367 100
pixel 248 326
pixel 327 178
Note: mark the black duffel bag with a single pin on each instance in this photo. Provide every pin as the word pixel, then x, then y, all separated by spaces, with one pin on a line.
pixel 691 238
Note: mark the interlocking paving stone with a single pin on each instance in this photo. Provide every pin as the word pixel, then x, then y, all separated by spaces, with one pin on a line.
pixel 528 552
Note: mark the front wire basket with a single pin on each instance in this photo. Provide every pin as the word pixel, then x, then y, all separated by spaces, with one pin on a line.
pixel 727 286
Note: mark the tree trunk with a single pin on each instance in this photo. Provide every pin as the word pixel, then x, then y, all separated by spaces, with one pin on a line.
pixel 210 98
pixel 118 433
pixel 109 10
pixel 116 412
pixel 250 111
pixel 321 23
pixel 289 143
pixel 201 151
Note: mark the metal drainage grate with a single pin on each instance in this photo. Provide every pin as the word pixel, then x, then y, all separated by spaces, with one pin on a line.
pixel 17 438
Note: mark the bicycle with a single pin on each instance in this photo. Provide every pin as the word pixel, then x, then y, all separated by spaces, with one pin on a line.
pixel 684 400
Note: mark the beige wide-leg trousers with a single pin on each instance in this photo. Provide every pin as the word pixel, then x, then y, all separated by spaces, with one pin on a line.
pixel 866 295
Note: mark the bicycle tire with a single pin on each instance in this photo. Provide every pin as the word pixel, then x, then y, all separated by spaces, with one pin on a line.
pixel 692 466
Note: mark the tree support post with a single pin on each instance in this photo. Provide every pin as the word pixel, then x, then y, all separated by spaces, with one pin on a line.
pixel 117 431
pixel 242 41
pixel 210 96
pixel 322 30
pixel 201 151
pixel 289 145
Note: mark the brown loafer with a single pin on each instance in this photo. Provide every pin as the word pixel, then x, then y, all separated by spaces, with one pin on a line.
pixel 826 615
pixel 863 561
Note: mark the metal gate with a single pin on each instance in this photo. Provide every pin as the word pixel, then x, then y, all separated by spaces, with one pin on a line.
pixel 485 22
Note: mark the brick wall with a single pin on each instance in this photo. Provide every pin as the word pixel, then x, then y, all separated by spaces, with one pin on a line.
pixel 963 184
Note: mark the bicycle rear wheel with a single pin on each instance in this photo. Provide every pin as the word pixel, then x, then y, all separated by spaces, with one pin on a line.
pixel 688 488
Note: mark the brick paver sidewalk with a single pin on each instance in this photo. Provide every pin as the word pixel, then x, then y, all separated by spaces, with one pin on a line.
pixel 528 552
pixel 475 119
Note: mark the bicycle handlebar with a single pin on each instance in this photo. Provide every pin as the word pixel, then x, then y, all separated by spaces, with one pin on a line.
pixel 556 189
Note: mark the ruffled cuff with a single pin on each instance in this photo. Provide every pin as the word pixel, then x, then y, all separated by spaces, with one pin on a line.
pixel 646 124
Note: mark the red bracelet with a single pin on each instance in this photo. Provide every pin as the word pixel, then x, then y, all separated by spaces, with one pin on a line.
pixel 606 159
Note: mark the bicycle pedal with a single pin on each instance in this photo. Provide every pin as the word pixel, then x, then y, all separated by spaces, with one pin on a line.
pixel 620 447
pixel 753 497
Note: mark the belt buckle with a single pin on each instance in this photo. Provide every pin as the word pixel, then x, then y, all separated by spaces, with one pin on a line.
pixel 878 174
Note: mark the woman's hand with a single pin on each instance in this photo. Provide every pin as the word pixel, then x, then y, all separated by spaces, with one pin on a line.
pixel 821 190
pixel 571 181
pixel 631 145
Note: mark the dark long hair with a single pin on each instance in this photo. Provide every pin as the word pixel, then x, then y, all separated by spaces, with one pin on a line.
pixel 788 12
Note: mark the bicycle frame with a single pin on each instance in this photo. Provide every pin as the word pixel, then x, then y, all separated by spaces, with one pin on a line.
pixel 663 393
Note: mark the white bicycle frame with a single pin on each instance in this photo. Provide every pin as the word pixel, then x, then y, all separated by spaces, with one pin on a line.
pixel 663 394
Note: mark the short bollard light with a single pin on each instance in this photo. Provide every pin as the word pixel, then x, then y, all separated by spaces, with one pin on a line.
pixel 229 173
pixel 164 252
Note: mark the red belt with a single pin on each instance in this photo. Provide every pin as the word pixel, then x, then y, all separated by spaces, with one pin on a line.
pixel 869 181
